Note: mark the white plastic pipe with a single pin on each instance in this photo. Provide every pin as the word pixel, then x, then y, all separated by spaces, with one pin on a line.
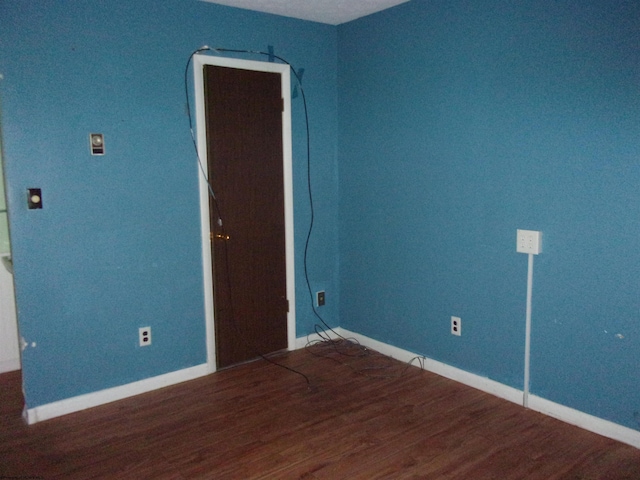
pixel 527 335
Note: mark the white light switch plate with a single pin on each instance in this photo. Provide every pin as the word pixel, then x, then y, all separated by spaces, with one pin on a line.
pixel 529 241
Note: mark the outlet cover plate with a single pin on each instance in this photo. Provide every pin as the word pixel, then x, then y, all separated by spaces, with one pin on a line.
pixel 456 326
pixel 145 336
pixel 529 241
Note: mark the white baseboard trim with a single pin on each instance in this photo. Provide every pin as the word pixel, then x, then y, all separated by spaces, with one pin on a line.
pixel 476 381
pixel 94 399
pixel 586 421
pixel 10 365
pixel 566 414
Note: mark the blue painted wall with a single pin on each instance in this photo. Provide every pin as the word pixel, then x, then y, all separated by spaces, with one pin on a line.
pixel 117 244
pixel 461 122
pixel 458 123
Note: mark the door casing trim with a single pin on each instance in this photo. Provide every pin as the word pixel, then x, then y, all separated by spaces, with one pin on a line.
pixel 199 61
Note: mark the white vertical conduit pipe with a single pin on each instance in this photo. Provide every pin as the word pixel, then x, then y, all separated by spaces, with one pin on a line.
pixel 527 335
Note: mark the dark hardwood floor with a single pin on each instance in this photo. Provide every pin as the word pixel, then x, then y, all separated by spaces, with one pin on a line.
pixel 260 421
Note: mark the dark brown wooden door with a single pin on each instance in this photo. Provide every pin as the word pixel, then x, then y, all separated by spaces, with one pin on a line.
pixel 244 139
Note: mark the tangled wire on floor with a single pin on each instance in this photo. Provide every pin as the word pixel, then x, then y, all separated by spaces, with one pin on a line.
pixel 362 360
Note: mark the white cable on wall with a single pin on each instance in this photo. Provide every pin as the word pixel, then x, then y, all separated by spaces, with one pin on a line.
pixel 527 335
pixel 529 242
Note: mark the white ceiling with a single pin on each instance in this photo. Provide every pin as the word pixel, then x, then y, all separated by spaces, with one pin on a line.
pixel 333 12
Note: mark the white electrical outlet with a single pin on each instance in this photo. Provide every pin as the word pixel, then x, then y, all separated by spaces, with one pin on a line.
pixel 529 241
pixel 456 326
pixel 145 336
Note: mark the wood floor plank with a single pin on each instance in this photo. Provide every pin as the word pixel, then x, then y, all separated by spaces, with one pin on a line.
pixel 360 417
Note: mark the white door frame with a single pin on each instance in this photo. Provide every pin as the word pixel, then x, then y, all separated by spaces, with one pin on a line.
pixel 199 61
